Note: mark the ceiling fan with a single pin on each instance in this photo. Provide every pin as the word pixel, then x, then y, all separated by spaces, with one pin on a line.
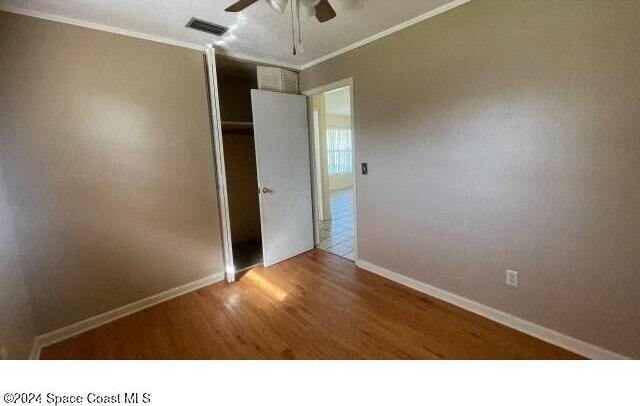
pixel 321 9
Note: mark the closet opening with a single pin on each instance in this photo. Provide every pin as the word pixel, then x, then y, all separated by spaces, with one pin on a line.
pixel 236 78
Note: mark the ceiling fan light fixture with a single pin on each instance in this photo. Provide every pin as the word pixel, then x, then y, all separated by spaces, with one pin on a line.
pixel 309 7
pixel 310 3
pixel 278 5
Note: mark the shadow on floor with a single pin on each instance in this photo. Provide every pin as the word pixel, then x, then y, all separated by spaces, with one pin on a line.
pixel 247 254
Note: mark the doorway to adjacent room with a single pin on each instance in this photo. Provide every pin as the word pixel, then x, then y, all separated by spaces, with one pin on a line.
pixel 334 169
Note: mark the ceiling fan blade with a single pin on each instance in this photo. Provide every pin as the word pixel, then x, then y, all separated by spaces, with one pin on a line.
pixel 239 5
pixel 324 11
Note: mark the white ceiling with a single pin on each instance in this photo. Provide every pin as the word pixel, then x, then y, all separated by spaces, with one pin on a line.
pixel 258 33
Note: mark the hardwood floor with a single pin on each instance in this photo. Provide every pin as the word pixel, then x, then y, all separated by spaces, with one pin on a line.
pixel 314 306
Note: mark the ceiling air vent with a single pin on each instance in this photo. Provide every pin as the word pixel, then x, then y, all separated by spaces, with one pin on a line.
pixel 206 26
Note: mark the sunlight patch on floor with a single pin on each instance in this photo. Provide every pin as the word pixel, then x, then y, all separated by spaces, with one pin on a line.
pixel 267 286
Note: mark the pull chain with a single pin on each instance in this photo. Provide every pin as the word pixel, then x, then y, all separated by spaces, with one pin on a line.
pixel 293 33
pixel 300 45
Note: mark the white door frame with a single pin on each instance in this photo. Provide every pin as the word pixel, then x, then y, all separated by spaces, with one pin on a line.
pixel 314 175
pixel 220 173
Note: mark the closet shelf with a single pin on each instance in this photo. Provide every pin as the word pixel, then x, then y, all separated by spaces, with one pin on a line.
pixel 237 128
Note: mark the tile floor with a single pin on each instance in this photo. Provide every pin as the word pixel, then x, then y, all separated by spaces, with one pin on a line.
pixel 336 235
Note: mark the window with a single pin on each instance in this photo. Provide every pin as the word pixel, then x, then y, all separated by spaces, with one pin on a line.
pixel 339 151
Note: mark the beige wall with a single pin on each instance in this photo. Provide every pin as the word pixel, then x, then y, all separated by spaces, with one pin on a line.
pixel 337 182
pixel 504 134
pixel 107 159
pixel 16 333
pixel 338 121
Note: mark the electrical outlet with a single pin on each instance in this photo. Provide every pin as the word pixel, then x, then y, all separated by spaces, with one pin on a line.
pixel 4 353
pixel 511 278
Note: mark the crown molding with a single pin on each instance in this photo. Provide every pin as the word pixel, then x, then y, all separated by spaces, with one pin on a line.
pixel 141 35
pixel 99 27
pixel 169 41
pixel 429 14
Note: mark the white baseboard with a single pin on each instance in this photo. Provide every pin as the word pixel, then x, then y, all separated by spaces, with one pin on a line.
pixel 80 327
pixel 561 340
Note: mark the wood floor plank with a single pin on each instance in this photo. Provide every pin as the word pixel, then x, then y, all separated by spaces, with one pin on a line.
pixel 314 306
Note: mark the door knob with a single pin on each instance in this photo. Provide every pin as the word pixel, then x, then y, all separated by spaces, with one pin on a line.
pixel 266 190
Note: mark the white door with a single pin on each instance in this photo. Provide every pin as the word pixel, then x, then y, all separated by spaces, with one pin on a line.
pixel 284 177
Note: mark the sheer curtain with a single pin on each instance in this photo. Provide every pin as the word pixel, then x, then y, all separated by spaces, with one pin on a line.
pixel 339 151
